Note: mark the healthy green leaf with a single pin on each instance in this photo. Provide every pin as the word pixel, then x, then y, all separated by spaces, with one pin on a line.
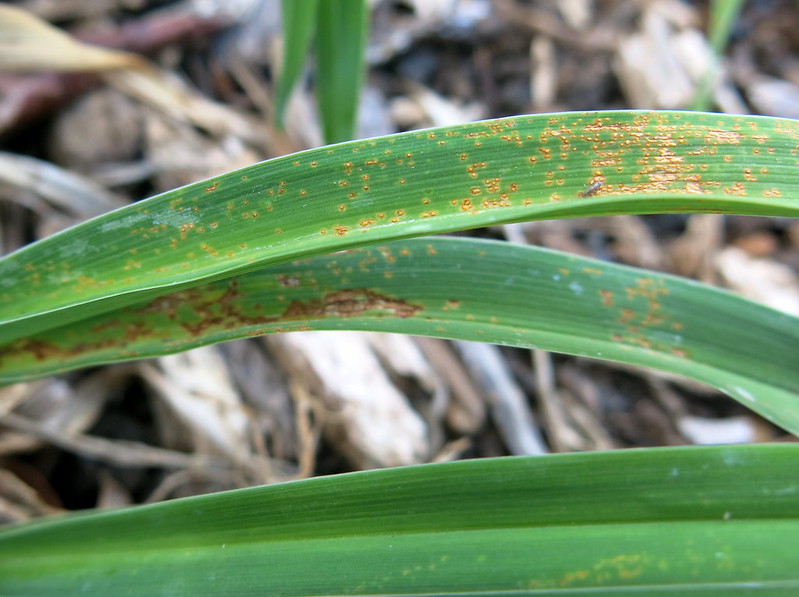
pixel 342 32
pixel 723 15
pixel 299 19
pixel 687 521
pixel 412 184
pixel 467 289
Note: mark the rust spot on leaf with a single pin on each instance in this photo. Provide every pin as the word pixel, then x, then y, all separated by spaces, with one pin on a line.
pixel 714 136
pixel 607 297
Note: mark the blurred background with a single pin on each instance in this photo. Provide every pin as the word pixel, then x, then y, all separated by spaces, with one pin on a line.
pixel 74 144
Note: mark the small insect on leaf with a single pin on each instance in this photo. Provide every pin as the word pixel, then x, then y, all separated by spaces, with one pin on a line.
pixel 592 189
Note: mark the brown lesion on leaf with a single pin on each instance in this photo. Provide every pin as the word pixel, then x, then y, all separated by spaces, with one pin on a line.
pixel 44 350
pixel 287 281
pixel 212 311
pixel 350 303
pixel 221 312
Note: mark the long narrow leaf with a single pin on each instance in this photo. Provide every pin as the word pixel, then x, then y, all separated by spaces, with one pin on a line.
pixel 513 169
pixel 713 521
pixel 342 33
pixel 299 20
pixel 461 288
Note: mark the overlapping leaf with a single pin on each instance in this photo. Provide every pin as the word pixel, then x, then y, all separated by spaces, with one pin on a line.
pixel 362 192
pixel 460 288
pixel 366 192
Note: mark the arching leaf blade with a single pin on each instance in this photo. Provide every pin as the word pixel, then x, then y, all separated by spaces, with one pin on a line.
pixel 412 184
pixel 460 288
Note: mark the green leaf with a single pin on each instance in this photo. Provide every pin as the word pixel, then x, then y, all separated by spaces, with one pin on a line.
pixel 723 15
pixel 460 288
pixel 342 34
pixel 298 20
pixel 412 184
pixel 688 521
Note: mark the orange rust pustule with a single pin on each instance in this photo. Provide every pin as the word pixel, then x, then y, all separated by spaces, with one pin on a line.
pixel 350 303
